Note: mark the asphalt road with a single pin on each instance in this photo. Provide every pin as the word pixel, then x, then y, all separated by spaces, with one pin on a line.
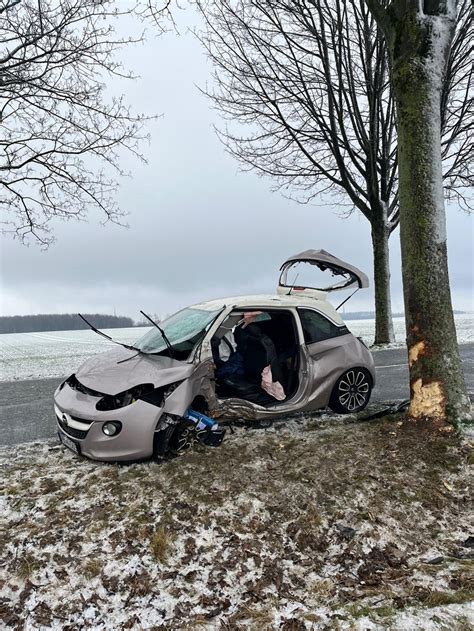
pixel 26 410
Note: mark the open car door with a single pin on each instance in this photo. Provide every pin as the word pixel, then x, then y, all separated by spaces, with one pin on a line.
pixel 316 273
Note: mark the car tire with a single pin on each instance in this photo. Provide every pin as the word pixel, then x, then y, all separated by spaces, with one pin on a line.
pixel 182 438
pixel 173 440
pixel 161 441
pixel 351 392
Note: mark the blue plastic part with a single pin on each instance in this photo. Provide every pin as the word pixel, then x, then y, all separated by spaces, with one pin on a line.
pixel 201 420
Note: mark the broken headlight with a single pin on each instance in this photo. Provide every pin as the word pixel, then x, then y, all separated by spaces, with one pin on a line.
pixel 114 402
pixel 145 392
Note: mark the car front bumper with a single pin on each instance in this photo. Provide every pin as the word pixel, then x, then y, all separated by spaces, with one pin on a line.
pixel 79 421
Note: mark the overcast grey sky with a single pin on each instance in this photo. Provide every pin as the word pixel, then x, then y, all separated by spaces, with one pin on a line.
pixel 199 228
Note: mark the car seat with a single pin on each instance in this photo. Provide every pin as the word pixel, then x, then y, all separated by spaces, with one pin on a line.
pixel 258 351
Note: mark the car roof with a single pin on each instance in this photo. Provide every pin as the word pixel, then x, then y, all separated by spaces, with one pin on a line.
pixel 272 300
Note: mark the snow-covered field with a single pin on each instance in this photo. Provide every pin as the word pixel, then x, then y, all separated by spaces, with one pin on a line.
pixel 57 354
pixel 315 525
pixel 54 353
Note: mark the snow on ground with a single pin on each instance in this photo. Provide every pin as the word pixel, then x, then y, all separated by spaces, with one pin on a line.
pixel 59 353
pixel 317 523
pixel 365 329
pixel 55 353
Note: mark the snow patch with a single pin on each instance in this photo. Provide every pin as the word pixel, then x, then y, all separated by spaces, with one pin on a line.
pixel 313 522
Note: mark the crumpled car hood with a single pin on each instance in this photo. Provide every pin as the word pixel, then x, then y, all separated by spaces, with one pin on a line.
pixel 103 374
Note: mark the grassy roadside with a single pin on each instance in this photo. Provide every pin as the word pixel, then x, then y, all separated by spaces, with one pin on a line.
pixel 315 524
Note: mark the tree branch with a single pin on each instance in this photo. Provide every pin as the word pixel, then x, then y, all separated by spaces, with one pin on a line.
pixel 61 137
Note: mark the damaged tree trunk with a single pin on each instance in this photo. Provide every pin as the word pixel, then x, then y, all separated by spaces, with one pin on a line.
pixel 384 333
pixel 419 36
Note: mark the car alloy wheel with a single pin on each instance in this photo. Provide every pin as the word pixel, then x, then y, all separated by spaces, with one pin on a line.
pixel 351 392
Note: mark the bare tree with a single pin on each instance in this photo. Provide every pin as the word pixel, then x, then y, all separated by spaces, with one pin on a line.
pixel 419 36
pixel 60 133
pixel 310 81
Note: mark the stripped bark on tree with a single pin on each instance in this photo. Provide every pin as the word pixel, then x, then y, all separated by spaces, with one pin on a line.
pixel 419 37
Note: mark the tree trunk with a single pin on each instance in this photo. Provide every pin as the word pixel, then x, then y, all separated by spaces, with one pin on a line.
pixel 383 309
pixel 420 45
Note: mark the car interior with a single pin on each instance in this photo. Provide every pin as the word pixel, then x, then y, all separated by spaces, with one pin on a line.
pixel 250 342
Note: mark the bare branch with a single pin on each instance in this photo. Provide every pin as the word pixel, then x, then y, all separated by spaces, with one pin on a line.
pixel 308 82
pixel 61 135
pixel 378 8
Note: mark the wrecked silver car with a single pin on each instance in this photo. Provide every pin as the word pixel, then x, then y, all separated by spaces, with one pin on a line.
pixel 249 357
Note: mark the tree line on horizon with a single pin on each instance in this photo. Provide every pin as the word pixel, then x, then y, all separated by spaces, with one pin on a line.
pixel 61 322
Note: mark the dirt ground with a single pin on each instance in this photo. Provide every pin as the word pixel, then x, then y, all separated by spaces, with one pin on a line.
pixel 317 523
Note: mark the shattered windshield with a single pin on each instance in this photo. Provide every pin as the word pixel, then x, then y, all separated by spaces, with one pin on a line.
pixel 183 330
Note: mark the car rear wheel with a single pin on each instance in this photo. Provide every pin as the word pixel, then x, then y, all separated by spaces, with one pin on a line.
pixel 351 392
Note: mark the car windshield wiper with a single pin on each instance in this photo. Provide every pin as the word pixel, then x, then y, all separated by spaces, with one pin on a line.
pixel 107 337
pixel 163 334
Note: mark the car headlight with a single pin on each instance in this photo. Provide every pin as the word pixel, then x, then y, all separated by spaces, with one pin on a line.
pixel 114 402
pixel 145 392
